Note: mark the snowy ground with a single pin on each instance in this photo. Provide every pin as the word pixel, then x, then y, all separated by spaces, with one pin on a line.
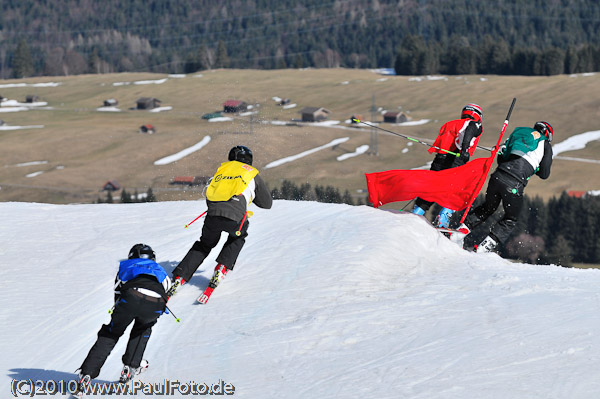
pixel 326 301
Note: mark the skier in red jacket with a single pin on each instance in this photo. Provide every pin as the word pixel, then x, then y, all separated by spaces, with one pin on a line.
pixel 459 136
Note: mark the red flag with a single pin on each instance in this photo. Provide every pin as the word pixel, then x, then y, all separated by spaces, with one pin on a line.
pixel 454 188
pixel 451 188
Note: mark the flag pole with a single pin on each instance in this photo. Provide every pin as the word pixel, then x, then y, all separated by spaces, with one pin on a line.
pixel 488 164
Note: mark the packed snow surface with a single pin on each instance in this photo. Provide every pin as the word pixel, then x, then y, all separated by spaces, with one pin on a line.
pixel 325 301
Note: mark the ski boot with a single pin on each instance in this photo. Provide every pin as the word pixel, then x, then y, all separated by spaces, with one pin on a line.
pixel 84 382
pixel 220 273
pixel 218 276
pixel 458 236
pixel 443 218
pixel 417 210
pixel 178 282
pixel 487 245
pixel 129 372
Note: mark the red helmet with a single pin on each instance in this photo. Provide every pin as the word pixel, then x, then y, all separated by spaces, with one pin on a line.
pixel 545 128
pixel 472 111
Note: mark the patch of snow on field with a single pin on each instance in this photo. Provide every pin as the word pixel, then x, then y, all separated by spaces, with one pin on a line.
pixel 221 119
pixel 161 109
pixel 12 85
pixel 577 142
pixel 422 78
pixel 15 103
pixel 32 163
pixel 5 127
pixel 359 150
pixel 108 109
pixel 142 82
pixel 183 153
pixel 305 153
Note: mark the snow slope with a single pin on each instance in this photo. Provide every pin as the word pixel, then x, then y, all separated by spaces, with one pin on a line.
pixel 326 301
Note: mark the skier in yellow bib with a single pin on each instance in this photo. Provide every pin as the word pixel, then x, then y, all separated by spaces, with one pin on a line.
pixel 234 186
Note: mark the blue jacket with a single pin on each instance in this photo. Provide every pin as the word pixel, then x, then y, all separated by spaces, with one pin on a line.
pixel 131 269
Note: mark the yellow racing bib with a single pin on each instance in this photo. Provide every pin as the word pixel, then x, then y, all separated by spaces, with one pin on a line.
pixel 231 179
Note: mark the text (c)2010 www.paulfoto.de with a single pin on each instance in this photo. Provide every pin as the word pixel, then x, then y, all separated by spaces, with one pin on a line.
pixel 31 388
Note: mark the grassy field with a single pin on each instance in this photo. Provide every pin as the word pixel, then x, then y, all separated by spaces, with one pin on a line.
pixel 84 148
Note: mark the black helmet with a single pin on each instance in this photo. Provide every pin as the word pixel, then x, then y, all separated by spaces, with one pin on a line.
pixel 544 128
pixel 141 251
pixel 241 153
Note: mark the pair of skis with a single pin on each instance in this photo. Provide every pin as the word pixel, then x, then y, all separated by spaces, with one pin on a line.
pixel 218 276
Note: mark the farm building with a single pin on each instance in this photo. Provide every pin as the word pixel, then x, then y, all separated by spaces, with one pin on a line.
pixel 212 115
pixel 231 106
pixel 111 102
pixel 32 98
pixel 147 128
pixel 394 117
pixel 111 185
pixel 147 103
pixel 190 180
pixel 314 114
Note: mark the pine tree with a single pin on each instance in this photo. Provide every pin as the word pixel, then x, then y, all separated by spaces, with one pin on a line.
pixel 560 252
pixel 150 195
pixel 22 63
pixel 125 197
pixel 553 60
pixel 571 60
pixel 222 60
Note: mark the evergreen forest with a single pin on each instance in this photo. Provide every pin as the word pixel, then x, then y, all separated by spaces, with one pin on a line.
pixel 69 37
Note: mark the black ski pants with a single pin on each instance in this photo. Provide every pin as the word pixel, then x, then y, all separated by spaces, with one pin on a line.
pixel 211 234
pixel 132 306
pixel 501 188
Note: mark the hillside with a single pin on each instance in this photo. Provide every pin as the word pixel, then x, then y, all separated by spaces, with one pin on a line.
pixel 70 37
pixel 325 301
pixel 69 149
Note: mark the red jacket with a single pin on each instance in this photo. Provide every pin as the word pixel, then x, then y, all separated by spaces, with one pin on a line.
pixel 454 134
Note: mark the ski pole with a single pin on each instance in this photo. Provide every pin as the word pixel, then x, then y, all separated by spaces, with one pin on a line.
pixel 177 319
pixel 406 137
pixel 239 232
pixel 187 225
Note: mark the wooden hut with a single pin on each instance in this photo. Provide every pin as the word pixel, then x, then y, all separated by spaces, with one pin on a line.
pixel 314 114
pixel 232 106
pixel 394 117
pixel 147 103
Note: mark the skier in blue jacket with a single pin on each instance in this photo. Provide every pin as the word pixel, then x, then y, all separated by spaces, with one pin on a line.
pixel 140 295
